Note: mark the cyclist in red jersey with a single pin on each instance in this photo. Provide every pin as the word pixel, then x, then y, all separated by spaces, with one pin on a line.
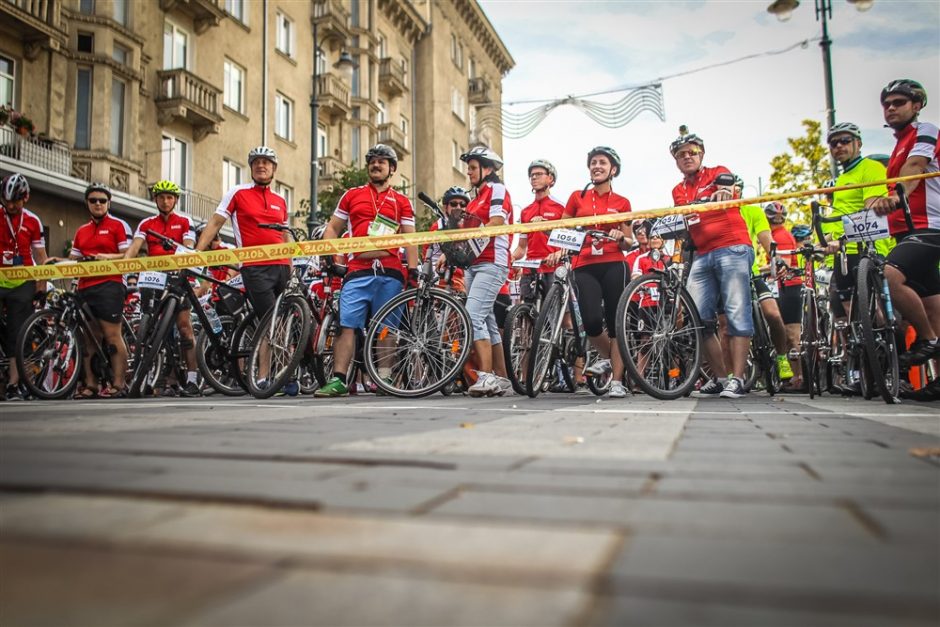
pixel 178 228
pixel 21 244
pixel 641 238
pixel 912 273
pixel 104 237
pixel 249 205
pixel 542 176
pixel 722 266
pixel 454 201
pixel 491 206
pixel 374 277
pixel 600 270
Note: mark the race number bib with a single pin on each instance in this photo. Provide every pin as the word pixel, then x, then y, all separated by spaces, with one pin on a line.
pixel 865 226
pixel 568 239
pixel 527 263
pixel 382 226
pixel 236 281
pixel 151 281
pixel 669 227
pixel 478 245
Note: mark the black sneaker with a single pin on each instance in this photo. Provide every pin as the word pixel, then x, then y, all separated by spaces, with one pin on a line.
pixel 920 352
pixel 191 390
pixel 170 391
pixel 14 393
pixel 711 389
pixel 734 388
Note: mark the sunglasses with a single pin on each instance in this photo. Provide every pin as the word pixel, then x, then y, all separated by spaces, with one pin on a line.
pixel 842 141
pixel 688 153
pixel 456 204
pixel 897 103
pixel 96 201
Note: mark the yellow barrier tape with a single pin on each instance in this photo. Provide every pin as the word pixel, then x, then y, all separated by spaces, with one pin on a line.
pixel 271 252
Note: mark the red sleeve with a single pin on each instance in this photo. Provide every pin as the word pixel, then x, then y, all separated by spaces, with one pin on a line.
pixel 571 207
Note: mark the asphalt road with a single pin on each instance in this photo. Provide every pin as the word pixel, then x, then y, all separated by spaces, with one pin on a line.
pixel 563 510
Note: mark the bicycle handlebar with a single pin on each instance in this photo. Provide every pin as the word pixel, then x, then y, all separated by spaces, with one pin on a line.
pixel 902 203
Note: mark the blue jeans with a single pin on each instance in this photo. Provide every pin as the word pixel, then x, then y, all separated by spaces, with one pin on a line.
pixel 361 298
pixel 724 272
pixel 483 282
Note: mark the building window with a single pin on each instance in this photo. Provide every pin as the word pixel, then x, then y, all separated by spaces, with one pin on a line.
pixel 232 174
pixel 321 63
pixel 383 113
pixel 355 143
pixel 382 47
pixel 473 119
pixel 83 109
pixel 455 155
pixel 457 103
pixel 287 193
pixel 404 126
pixel 86 42
pixel 175 162
pixel 404 70
pixel 354 14
pixel 283 117
pixel 118 89
pixel 121 54
pixel 285 34
pixel 120 12
pixel 471 68
pixel 456 51
pixel 236 8
pixel 405 185
pixel 322 143
pixel 233 86
pixel 7 81
pixel 355 74
pixel 175 47
pixel 86 7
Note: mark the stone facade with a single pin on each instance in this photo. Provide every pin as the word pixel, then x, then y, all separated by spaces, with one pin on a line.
pixel 127 92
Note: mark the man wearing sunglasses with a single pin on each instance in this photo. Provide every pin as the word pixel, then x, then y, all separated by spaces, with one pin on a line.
pixel 912 271
pixel 542 175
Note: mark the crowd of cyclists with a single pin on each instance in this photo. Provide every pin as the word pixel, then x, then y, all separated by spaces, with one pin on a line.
pixel 745 257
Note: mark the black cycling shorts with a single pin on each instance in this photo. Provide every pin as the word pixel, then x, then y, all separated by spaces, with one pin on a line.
pixel 916 256
pixel 264 284
pixel 760 286
pixel 16 305
pixel 842 285
pixel 106 300
pixel 791 305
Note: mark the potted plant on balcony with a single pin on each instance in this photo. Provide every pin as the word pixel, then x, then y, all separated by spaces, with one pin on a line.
pixel 22 124
pixel 4 114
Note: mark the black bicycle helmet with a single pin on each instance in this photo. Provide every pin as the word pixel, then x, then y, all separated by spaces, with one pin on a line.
pixel 906 87
pixel 381 151
pixel 15 187
pixel 455 192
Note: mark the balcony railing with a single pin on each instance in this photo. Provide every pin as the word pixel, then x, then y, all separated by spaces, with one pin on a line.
pixel 332 95
pixel 330 168
pixel 199 206
pixel 186 96
pixel 478 91
pixel 204 13
pixel 332 20
pixel 44 153
pixel 37 22
pixel 392 77
pixel 394 136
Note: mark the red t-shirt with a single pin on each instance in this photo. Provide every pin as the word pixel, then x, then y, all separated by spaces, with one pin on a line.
pixel 360 206
pixel 176 226
pixel 786 241
pixel 28 235
pixel 630 257
pixel 111 235
pixel 492 201
pixel 537 246
pixel 644 264
pixel 919 139
pixel 712 229
pixel 249 205
pixel 593 204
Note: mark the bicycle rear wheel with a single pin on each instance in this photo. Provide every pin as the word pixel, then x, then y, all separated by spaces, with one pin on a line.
pixel 278 346
pixel 327 332
pixel 152 345
pixel 417 343
pixel 215 362
pixel 764 353
pixel 878 338
pixel 809 355
pixel 517 343
pixel 49 355
pixel 545 336
pixel 660 336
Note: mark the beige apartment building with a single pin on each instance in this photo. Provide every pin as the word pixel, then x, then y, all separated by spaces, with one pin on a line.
pixel 128 92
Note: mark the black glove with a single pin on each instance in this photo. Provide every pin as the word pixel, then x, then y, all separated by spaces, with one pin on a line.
pixel 412 277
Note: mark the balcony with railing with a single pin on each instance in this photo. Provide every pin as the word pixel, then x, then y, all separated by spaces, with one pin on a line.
pixel 330 169
pixel 183 95
pixel 332 20
pixel 333 96
pixel 392 77
pixel 47 154
pixel 38 22
pixel 478 91
pixel 204 13
pixel 393 136
pixel 197 206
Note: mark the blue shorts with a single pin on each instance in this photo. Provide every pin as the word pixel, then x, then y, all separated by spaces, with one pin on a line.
pixel 362 297
pixel 724 273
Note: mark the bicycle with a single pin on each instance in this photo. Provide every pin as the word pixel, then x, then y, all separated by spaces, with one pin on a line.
pixel 51 346
pixel 550 339
pixel 763 353
pixel 658 325
pixel 222 362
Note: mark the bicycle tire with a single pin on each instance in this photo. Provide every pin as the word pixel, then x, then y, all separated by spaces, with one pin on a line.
pixel 153 345
pixel 598 384
pixel 292 330
pixel 808 344
pixel 879 342
pixel 423 337
pixel 47 338
pixel 673 350
pixel 545 340
pixel 215 364
pixel 517 343
pixel 327 332
pixel 765 353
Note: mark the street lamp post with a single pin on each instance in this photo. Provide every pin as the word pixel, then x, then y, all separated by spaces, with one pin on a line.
pixel 783 9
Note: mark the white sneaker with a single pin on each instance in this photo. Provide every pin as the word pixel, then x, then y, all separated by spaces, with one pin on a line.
pixel 617 390
pixel 505 386
pixel 486 385
pixel 734 388
pixel 599 367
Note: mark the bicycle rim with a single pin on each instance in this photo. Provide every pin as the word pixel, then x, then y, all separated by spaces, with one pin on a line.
pixel 152 345
pixel 878 337
pixel 544 337
pixel 48 356
pixel 517 344
pixel 808 352
pixel 214 361
pixel 278 346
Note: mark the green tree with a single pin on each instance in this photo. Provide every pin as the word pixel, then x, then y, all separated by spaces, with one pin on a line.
pixel 805 166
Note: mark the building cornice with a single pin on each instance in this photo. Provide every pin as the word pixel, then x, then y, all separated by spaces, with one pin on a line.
pixel 108 22
pixel 481 28
pixel 405 17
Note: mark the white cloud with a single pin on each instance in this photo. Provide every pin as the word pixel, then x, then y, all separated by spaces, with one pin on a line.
pixel 745 111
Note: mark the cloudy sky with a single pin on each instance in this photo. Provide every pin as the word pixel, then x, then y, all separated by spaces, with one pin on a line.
pixel 744 111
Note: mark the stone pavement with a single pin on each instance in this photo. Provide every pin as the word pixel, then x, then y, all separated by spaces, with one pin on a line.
pixel 563 510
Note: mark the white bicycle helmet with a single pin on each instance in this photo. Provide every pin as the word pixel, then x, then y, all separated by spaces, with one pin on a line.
pixel 485 156
pixel 262 151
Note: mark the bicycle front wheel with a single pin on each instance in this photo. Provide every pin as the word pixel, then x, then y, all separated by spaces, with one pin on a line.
pixel 49 355
pixel 660 337
pixel 545 336
pixel 152 346
pixel 517 343
pixel 878 338
pixel 278 346
pixel 809 345
pixel 214 360
pixel 417 343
